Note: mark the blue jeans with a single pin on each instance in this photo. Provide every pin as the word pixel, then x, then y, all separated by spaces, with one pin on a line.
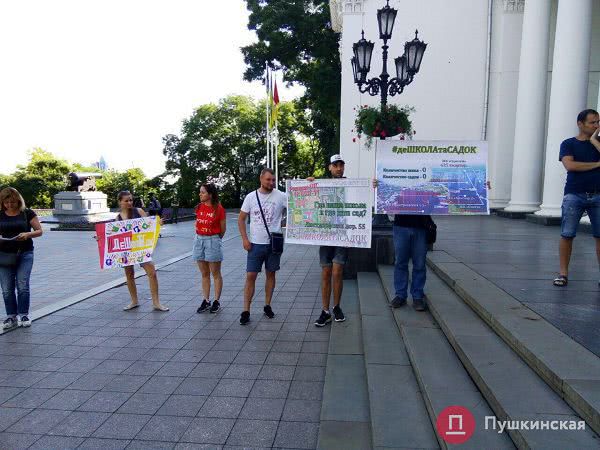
pixel 17 277
pixel 410 243
pixel 573 207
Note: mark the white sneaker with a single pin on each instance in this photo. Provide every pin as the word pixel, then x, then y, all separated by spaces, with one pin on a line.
pixel 24 321
pixel 9 324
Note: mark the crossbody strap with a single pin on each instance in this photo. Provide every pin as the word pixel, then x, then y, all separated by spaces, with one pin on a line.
pixel 262 214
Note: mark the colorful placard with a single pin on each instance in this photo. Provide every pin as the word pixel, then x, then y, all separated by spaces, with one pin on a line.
pixel 127 242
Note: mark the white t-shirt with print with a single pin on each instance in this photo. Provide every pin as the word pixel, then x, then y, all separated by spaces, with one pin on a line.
pixel 273 205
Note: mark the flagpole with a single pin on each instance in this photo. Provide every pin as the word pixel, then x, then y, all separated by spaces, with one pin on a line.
pixel 267 82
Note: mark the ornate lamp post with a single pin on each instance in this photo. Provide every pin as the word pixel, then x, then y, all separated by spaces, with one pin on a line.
pixel 407 65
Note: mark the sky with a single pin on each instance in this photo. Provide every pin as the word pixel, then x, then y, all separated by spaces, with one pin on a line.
pixel 90 78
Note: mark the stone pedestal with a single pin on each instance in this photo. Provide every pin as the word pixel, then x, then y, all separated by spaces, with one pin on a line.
pixel 81 208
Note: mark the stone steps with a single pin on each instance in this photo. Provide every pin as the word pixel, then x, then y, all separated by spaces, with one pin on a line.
pixel 565 365
pixel 345 416
pixel 398 413
pixel 441 376
pixel 512 389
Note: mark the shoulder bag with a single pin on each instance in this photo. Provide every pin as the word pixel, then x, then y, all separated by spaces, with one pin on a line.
pixel 276 239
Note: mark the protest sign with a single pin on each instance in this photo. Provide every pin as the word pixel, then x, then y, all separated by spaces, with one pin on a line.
pixel 127 242
pixel 432 177
pixel 334 212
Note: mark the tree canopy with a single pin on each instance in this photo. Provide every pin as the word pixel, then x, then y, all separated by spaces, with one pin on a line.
pixel 225 144
pixel 296 36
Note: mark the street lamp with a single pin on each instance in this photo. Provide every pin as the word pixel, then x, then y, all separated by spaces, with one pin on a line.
pixel 407 65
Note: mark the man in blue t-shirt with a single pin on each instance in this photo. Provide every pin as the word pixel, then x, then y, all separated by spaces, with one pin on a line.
pixel 581 157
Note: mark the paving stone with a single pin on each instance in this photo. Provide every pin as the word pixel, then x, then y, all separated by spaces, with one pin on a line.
pixel 150 445
pixel 176 369
pixel 209 370
pixel 68 400
pixel 309 373
pixel 91 381
pixel 164 428
pixel 143 367
pixel 276 372
pixel 112 366
pixel 79 424
pixel 220 356
pixel 104 401
pixel 182 405
pixel 243 371
pixel 9 416
pixel 140 403
pixel 225 407
pixel 103 444
pixel 250 358
pixel 31 398
pixel 270 389
pixel 14 441
pixel 196 386
pixel 302 411
pixel 53 442
pixel 58 380
pixel 208 431
pixel 161 385
pixel 233 388
pixel 297 435
pixel 122 426
pixel 263 409
pixel 286 359
pixel 312 359
pixel 255 433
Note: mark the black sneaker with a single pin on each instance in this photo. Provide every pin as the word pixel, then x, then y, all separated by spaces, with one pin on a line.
pixel 9 324
pixel 216 307
pixel 323 319
pixel 24 322
pixel 419 304
pixel 338 314
pixel 245 318
pixel 398 302
pixel 205 306
pixel 268 311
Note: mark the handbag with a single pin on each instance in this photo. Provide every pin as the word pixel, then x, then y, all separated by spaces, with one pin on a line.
pixel 10 259
pixel 276 239
pixel 431 231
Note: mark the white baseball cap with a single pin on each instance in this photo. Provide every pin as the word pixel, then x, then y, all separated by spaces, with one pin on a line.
pixel 336 158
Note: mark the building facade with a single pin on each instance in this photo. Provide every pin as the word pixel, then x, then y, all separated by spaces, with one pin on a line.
pixel 512 72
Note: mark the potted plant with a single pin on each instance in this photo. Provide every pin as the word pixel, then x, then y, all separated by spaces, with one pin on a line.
pixel 382 123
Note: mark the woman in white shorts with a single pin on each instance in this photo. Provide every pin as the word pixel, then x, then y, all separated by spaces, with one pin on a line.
pixel 208 250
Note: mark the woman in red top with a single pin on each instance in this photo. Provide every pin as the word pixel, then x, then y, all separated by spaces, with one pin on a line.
pixel 208 250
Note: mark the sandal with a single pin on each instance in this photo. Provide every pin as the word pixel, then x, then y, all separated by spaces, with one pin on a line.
pixel 561 281
pixel 131 306
pixel 161 308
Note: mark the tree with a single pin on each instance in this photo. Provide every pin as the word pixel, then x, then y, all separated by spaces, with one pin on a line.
pixel 225 144
pixel 296 36
pixel 42 178
pixel 112 182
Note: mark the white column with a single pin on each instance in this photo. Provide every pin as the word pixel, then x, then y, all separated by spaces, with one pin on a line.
pixel 568 95
pixel 531 108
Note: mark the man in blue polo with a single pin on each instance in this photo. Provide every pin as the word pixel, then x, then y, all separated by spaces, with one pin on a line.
pixel 581 157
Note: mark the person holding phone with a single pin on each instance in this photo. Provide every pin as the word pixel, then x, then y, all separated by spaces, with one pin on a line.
pixel 19 225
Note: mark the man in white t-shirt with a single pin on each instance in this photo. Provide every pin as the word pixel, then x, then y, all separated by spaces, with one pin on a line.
pixel 258 246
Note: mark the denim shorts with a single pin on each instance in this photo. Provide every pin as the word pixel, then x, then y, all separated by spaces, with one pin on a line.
pixel 573 207
pixel 329 255
pixel 259 254
pixel 208 248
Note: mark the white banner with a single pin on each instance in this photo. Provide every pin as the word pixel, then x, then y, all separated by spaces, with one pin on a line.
pixel 333 212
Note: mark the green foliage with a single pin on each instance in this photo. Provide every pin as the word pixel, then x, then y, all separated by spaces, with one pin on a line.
pixel 296 36
pixel 42 177
pixel 225 144
pixel 112 182
pixel 385 122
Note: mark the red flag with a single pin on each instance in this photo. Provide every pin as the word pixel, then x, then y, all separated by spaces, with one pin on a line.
pixel 275 94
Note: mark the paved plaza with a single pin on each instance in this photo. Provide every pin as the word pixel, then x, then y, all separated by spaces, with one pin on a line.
pixel 93 376
pixel 90 375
